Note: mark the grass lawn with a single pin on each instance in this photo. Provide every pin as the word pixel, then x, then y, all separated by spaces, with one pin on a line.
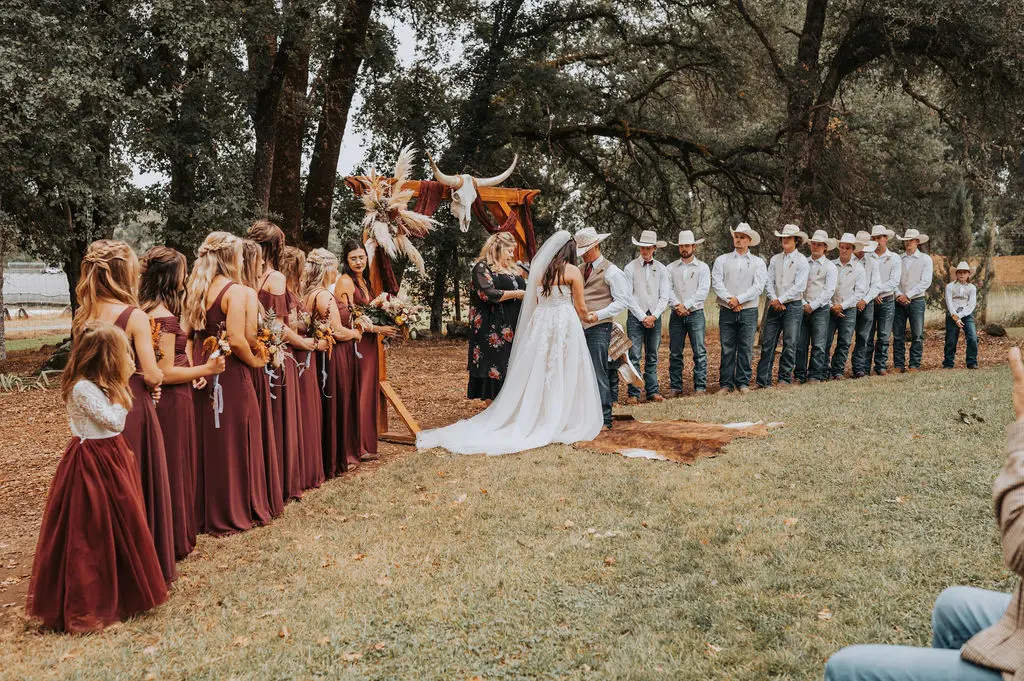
pixel 32 344
pixel 841 527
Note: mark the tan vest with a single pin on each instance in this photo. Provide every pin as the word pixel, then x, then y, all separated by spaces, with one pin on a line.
pixel 596 292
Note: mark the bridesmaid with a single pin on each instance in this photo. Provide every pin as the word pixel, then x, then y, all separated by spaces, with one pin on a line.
pixel 353 290
pixel 161 291
pixel 339 372
pixel 95 563
pixel 106 292
pixel 231 487
pixel 252 272
pixel 273 295
pixel 293 264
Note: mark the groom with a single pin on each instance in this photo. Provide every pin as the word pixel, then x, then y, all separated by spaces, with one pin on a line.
pixel 606 292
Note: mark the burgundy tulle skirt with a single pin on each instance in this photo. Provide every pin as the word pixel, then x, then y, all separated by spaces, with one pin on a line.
pixel 178 424
pixel 95 561
pixel 311 420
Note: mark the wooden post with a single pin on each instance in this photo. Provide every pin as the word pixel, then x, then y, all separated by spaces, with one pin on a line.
pixel 388 395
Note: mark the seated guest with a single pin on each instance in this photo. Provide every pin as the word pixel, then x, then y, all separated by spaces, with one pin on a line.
pixel 961 298
pixel 976 634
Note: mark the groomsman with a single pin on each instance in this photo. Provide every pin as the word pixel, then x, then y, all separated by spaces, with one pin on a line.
pixel 650 290
pixel 606 293
pixel 862 346
pixel 690 281
pixel 787 279
pixel 821 286
pixel 915 278
pixel 851 290
pixel 889 270
pixel 961 300
pixel 738 278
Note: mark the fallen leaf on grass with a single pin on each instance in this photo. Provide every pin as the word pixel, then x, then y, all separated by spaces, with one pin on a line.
pixel 440 474
pixel 711 649
pixel 71 654
pixel 351 657
pixel 897 500
pixel 825 614
pixel 323 640
pixel 327 562
pixel 240 641
pixel 483 491
pixel 359 556
pixel 380 645
pixel 459 499
pixel 610 560
pixel 284 632
pixel 149 650
pixel 569 524
pixel 269 613
pixel 789 522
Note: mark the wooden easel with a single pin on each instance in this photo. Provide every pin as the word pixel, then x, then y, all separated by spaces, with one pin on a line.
pixel 500 202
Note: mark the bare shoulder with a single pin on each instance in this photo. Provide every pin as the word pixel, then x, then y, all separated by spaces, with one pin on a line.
pixel 138 319
pixel 276 284
pixel 345 283
pixel 572 273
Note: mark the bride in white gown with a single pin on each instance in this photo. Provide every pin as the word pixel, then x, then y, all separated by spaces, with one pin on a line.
pixel 550 392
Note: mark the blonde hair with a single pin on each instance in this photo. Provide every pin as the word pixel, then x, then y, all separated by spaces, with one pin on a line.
pixel 110 271
pixel 220 254
pixel 252 264
pixel 318 263
pixel 293 264
pixel 491 251
pixel 101 353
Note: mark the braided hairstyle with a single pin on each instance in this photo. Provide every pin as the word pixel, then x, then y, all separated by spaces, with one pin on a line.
pixel 163 280
pixel 318 263
pixel 110 271
pixel 270 239
pixel 219 254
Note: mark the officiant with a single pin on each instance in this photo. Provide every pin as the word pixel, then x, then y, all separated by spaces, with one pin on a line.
pixel 496 296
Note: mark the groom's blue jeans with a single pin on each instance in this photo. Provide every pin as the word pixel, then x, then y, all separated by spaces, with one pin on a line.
pixel 598 339
pixel 960 612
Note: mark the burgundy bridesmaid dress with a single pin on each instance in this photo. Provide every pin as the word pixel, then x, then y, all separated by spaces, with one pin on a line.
pixel 95 562
pixel 178 424
pixel 273 465
pixel 285 405
pixel 310 413
pixel 369 385
pixel 142 431
pixel 341 439
pixel 231 485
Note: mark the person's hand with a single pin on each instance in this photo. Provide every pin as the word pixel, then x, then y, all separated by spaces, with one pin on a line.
pixel 1017 370
pixel 682 310
pixel 156 392
pixel 389 331
pixel 861 305
pixel 733 303
pixel 309 345
pixel 364 323
pixel 592 318
pixel 903 300
pixel 216 365
pixel 321 345
pixel 807 309
pixel 649 321
pixel 878 299
pixel 960 323
pixel 778 305
pixel 520 295
pixel 199 383
pixel 837 310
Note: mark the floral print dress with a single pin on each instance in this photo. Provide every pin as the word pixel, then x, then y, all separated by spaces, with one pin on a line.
pixel 492 327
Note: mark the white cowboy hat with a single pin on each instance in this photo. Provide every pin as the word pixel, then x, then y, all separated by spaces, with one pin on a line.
pixel 820 236
pixel 914 234
pixel 686 239
pixel 587 238
pixel 850 239
pixel 648 238
pixel 791 230
pixel 869 247
pixel 963 266
pixel 744 228
pixel 881 230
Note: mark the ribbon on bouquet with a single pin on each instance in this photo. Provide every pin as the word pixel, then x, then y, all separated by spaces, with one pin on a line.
pixel 218 401
pixel 270 380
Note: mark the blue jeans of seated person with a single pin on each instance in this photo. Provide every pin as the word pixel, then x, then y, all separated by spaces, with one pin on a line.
pixel 960 612
pixel 811 366
pixel 914 313
pixel 598 339
pixel 787 324
pixel 679 329
pixel 841 329
pixel 736 333
pixel 862 346
pixel 953 335
pixel 884 312
pixel 648 341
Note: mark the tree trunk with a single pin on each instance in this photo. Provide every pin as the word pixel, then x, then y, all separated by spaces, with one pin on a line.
pixel 339 86
pixel 182 196
pixel 3 317
pixel 286 190
pixel 269 63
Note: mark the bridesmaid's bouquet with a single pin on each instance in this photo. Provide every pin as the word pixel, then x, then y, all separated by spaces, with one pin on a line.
pixel 390 310
pixel 217 346
pixel 320 330
pixel 270 343
pixel 155 328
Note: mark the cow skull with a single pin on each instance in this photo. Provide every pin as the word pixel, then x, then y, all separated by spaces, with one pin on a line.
pixel 464 189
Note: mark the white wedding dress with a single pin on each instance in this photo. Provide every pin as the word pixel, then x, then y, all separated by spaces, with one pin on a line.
pixel 550 392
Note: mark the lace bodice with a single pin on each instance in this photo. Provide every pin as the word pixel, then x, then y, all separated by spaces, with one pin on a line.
pixel 560 296
pixel 92 415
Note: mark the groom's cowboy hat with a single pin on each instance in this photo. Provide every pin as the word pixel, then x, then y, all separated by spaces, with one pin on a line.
pixel 820 236
pixel 587 238
pixel 649 238
pixel 744 228
pixel 882 230
pixel 914 234
pixel 793 231
pixel 686 239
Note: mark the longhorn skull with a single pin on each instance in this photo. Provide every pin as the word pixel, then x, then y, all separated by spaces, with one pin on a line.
pixel 464 189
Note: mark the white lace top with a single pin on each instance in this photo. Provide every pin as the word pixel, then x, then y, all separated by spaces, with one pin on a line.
pixel 91 414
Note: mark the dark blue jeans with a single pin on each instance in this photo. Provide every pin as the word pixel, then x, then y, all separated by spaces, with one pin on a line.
pixel 598 339
pixel 648 341
pixel 862 346
pixel 884 312
pixel 736 331
pixel 679 329
pixel 787 324
pixel 813 335
pixel 913 313
pixel 841 329
pixel 953 336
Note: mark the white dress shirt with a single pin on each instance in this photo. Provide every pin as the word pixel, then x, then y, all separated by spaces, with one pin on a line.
pixel 961 299
pixel 690 284
pixel 851 283
pixel 915 274
pixel 740 276
pixel 890 268
pixel 870 264
pixel 821 283
pixel 649 287
pixel 787 277
pixel 620 289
